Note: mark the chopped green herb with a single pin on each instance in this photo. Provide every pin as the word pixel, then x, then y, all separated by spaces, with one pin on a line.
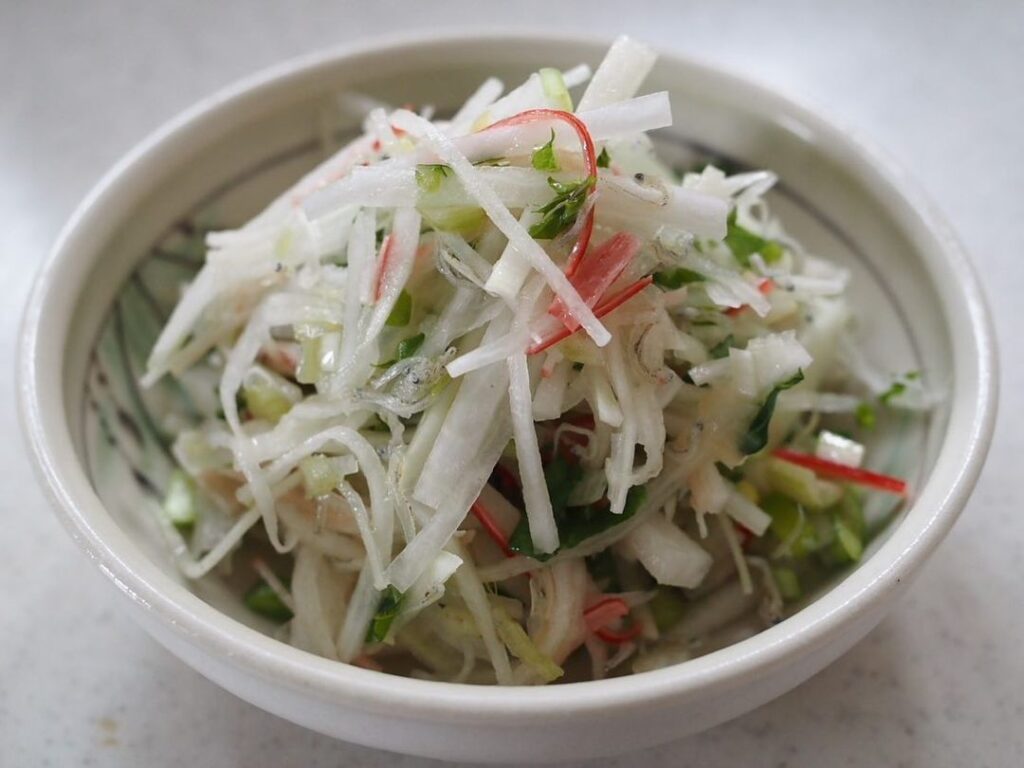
pixel 912 375
pixel 180 503
pixel 897 389
pixel 604 159
pixel 401 313
pixel 429 177
pixel 743 243
pixel 575 524
pixel 561 213
pixel 671 279
pixel 544 158
pixel 409 347
pixel 384 617
pixel 721 349
pixel 756 436
pixel 865 415
pixel 262 599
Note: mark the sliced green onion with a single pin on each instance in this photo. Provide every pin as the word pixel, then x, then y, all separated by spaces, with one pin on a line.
pixel 789 525
pixel 554 88
pixel 180 503
pixel 788 583
pixel 667 608
pixel 604 159
pixel 802 485
pixel 409 347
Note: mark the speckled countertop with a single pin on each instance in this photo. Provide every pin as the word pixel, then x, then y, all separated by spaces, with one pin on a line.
pixel 939 683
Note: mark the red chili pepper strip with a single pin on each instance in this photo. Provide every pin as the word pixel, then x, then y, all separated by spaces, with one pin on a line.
pixel 619 638
pixel 855 475
pixel 766 286
pixel 589 163
pixel 491 527
pixel 604 612
pixel 602 309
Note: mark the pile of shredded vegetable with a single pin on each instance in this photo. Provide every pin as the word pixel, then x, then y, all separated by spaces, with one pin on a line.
pixel 503 399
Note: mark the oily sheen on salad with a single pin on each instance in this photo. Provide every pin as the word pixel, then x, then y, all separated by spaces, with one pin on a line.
pixel 503 399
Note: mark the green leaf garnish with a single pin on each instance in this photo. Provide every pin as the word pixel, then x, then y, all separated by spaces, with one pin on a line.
pixel 604 159
pixel 743 243
pixel 430 176
pixel 671 279
pixel 756 436
pixel 401 313
pixel 575 524
pixel 561 213
pixel 897 389
pixel 262 599
pixel 384 617
pixel 544 158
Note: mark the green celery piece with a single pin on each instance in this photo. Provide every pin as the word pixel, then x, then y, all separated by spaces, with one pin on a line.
pixel 756 436
pixel 385 615
pixel 401 313
pixel 544 157
pixel 263 600
pixel 671 279
pixel 180 502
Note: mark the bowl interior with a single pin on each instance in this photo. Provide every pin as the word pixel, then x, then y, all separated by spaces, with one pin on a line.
pixel 226 166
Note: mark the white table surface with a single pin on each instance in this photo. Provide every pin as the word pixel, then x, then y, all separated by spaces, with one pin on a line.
pixel 939 84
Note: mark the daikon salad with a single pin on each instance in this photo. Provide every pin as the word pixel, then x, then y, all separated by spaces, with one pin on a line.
pixel 503 399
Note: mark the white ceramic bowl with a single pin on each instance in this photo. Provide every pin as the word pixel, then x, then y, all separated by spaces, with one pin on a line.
pixel 918 299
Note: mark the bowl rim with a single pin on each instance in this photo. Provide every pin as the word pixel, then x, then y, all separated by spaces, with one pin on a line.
pixel 57 289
